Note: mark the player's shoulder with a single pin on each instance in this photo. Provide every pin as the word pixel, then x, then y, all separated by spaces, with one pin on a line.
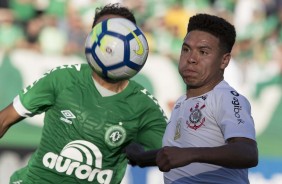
pixel 69 69
pixel 223 91
pixel 142 93
pixel 223 88
pixel 68 72
pixel 138 89
pixel 65 75
pixel 141 98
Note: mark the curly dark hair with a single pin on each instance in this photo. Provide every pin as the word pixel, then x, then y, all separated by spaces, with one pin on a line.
pixel 216 26
pixel 113 9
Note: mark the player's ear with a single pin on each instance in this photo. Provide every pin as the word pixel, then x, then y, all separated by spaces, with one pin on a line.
pixel 225 60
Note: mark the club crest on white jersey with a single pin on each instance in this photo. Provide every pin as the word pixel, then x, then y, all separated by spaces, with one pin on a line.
pixel 195 118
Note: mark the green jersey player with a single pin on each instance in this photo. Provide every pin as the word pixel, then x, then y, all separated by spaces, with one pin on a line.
pixel 88 122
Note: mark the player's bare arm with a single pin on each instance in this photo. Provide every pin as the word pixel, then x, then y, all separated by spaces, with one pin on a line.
pixel 237 153
pixel 8 117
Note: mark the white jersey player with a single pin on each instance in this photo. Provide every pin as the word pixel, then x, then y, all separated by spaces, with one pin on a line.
pixel 210 137
pixel 209 120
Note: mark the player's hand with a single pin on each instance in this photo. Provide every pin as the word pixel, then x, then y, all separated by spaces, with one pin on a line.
pixel 170 158
pixel 133 151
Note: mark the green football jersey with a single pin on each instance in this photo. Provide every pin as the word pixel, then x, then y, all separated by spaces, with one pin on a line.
pixel 84 134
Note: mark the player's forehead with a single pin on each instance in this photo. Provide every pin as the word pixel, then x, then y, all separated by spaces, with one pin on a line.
pixel 199 38
pixel 109 16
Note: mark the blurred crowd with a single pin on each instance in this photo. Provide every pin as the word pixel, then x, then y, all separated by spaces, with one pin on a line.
pixel 61 26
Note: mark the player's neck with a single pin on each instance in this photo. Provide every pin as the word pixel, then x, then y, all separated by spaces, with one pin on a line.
pixel 197 91
pixel 116 87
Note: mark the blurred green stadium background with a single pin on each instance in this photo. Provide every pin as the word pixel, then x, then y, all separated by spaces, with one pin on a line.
pixel 36 36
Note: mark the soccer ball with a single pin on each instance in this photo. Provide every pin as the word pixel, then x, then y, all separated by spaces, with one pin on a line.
pixel 116 49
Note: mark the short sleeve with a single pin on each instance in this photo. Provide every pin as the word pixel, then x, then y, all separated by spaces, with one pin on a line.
pixel 234 115
pixel 37 97
pixel 153 127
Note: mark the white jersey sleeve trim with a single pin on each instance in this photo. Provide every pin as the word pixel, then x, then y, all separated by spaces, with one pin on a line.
pixel 21 110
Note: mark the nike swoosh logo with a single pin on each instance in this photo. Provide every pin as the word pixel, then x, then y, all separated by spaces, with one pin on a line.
pixel 96 31
pixel 140 50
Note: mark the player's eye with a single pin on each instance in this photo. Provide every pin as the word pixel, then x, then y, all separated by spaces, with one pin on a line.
pixel 202 52
pixel 185 49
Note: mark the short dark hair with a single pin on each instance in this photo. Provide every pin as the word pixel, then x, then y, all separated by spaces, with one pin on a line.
pixel 216 26
pixel 113 9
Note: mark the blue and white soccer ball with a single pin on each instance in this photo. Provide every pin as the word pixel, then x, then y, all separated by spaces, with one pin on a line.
pixel 116 49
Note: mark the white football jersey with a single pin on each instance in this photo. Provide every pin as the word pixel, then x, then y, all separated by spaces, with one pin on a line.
pixel 208 121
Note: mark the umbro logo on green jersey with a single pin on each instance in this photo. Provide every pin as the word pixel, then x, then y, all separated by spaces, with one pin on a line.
pixel 77 158
pixel 68 115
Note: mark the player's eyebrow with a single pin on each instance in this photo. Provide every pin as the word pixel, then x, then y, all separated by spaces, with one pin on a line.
pixel 199 47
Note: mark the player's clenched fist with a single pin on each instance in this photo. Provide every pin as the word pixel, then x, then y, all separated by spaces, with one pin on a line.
pixel 172 157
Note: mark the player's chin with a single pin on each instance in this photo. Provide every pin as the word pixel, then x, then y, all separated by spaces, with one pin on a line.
pixel 189 81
